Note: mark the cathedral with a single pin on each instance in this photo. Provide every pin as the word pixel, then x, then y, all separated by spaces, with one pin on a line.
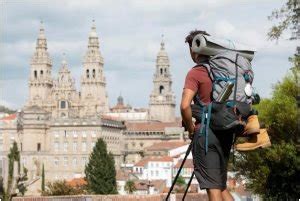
pixel 59 126
pixel 59 96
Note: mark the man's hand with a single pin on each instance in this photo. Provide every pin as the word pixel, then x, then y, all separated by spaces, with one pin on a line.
pixel 186 112
pixel 191 132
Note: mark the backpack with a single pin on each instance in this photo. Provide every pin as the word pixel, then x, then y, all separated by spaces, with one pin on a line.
pixel 224 68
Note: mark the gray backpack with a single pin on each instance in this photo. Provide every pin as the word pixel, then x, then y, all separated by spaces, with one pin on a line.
pixel 223 68
pixel 230 66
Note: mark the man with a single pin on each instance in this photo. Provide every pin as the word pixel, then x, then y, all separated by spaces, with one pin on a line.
pixel 210 167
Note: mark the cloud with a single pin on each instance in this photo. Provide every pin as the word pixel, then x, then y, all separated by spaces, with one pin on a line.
pixel 130 36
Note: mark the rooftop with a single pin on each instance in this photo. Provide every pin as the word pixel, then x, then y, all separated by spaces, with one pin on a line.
pixel 145 160
pixel 166 145
pixel 150 126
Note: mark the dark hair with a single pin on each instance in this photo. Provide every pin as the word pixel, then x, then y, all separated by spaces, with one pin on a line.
pixel 189 38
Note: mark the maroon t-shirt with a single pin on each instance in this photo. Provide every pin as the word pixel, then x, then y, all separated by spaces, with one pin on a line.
pixel 199 81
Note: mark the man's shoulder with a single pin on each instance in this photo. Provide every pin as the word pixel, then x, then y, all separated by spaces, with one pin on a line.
pixel 198 69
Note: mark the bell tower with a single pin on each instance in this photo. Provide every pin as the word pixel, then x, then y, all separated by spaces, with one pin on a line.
pixel 93 92
pixel 40 80
pixel 162 99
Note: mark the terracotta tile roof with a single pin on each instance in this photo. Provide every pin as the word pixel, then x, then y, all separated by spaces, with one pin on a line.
pixel 150 126
pixel 9 117
pixel 188 163
pixel 122 175
pixel 77 182
pixel 144 184
pixel 166 145
pixel 145 160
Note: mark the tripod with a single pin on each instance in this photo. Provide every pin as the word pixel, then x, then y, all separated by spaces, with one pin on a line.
pixel 178 173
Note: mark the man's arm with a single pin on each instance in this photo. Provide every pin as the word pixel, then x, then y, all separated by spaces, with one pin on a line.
pixel 186 111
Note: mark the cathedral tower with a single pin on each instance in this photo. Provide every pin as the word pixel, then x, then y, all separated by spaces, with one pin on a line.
pixel 162 99
pixel 40 80
pixel 93 93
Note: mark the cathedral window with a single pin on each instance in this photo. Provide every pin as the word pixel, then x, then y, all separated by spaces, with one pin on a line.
pixel 87 73
pixel 42 73
pixel 56 161
pixel 74 161
pixel 65 161
pixel 65 146
pixel 56 146
pixel 75 146
pixel 165 70
pixel 38 146
pixel 83 146
pixel 63 105
pixel 94 73
pixel 35 74
pixel 161 71
pixel 161 89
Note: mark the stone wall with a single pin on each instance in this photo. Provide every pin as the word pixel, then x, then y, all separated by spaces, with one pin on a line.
pixel 158 197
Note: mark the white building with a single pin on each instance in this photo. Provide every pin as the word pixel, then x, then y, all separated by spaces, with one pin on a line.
pixel 155 168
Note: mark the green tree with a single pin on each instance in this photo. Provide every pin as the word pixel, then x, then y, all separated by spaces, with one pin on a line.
pixel 130 187
pixel 43 179
pixel 100 171
pixel 272 172
pixel 18 185
pixel 287 18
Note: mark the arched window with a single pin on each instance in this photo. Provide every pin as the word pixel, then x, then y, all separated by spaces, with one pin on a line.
pixel 87 73
pixel 165 70
pixel 42 73
pixel 35 74
pixel 63 104
pixel 161 71
pixel 94 73
pixel 161 89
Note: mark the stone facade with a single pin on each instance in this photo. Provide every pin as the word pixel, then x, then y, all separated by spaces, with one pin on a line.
pixel 59 96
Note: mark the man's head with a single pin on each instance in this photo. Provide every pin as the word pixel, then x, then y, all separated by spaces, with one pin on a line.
pixel 197 58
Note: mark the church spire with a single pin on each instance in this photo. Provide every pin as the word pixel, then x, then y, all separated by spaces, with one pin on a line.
pixel 162 43
pixel 41 43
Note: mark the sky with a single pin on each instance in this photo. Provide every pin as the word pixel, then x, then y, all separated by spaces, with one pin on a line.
pixel 130 35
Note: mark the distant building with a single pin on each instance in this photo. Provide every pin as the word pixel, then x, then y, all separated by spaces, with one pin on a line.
pixel 153 168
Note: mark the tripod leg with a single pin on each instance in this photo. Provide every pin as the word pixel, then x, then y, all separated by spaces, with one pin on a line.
pixel 179 170
pixel 188 185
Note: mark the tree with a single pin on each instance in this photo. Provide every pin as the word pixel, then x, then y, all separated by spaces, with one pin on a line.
pixel 130 187
pixel 100 171
pixel 15 183
pixel 61 187
pixel 180 185
pixel 273 172
pixel 287 16
pixel 43 179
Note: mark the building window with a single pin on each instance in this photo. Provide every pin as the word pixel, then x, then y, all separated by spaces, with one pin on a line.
pixel 83 146
pixel 65 146
pixel 161 89
pixel 84 161
pixel 1 145
pixel 65 161
pixel 87 73
pixel 156 173
pixel 42 73
pixel 56 146
pixel 161 71
pixel 94 73
pixel 74 161
pixel 93 144
pixel 74 146
pixel 38 146
pixel 84 134
pixel 35 74
pixel 56 161
pixel 62 104
pixel 141 144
